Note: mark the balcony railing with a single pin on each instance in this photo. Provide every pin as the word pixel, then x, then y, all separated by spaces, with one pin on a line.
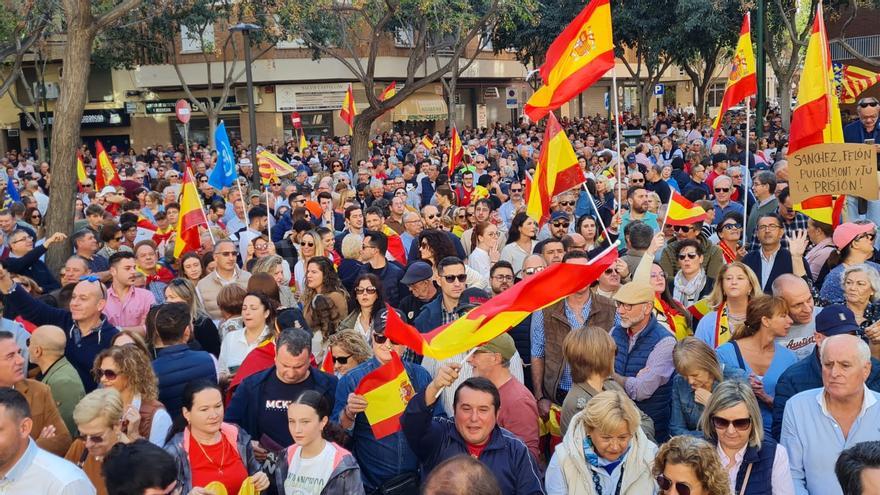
pixel 868 46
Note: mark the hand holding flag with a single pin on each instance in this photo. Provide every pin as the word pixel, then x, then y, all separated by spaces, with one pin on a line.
pixel 387 390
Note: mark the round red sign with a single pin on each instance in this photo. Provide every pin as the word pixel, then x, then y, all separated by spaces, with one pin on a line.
pixel 296 120
pixel 183 110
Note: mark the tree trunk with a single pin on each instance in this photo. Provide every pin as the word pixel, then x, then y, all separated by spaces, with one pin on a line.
pixel 41 141
pixel 702 90
pixel 212 129
pixel 361 135
pixel 785 98
pixel 66 127
pixel 645 96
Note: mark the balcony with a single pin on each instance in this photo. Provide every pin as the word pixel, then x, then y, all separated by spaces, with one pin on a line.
pixel 868 46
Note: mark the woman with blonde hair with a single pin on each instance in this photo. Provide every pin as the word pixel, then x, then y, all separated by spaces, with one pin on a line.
pixel 310 246
pixel 98 417
pixel 203 328
pixel 348 349
pixel 604 451
pixel 350 266
pixel 689 465
pixel 726 305
pixel 755 464
pixel 698 373
pixel 590 353
pixel 130 372
pixel 755 350
pixel 274 266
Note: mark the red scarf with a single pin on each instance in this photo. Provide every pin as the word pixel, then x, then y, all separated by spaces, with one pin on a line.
pixel 728 252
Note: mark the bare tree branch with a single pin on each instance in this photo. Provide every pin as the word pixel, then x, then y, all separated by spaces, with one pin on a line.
pixel 103 22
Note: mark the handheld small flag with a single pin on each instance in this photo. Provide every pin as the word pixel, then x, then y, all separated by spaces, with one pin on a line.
pixel 742 82
pixel 388 391
pixel 456 152
pixel 270 160
pixel 191 216
pixel 576 59
pixel 225 173
pixel 303 143
pixel 267 172
pixel 389 91
pixel 81 175
pixel 11 190
pixel 327 364
pixel 106 174
pixel 427 143
pixel 348 110
pixel 682 212
pixel 823 208
pixel 557 170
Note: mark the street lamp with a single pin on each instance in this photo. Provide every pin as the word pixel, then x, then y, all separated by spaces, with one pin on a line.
pixel 246 29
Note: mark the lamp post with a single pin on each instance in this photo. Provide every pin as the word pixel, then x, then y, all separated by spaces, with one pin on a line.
pixel 246 29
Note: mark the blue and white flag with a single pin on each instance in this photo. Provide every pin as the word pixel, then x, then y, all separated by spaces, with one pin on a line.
pixel 225 171
pixel 11 191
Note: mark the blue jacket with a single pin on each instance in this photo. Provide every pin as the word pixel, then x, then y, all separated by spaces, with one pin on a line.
pixel 177 365
pixel 30 265
pixel 244 408
pixel 761 459
pixel 80 351
pixel 781 265
pixel 686 412
pixel 427 191
pixel 854 132
pixel 437 439
pixel 629 361
pixel 804 375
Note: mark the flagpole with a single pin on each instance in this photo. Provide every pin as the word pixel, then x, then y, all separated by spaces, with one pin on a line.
pixel 463 362
pixel 202 206
pixel 748 173
pixel 269 219
pixel 619 174
pixel 596 209
pixel 665 217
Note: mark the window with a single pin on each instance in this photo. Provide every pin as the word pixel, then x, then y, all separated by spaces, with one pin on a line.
pixel 486 40
pixel 715 94
pixel 404 37
pixel 100 88
pixel 191 42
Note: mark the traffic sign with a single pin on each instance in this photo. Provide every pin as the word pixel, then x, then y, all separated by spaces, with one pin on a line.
pixel 183 110
pixel 659 89
pixel 296 120
pixel 511 101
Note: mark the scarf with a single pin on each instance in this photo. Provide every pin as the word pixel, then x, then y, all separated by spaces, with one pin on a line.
pixel 687 291
pixel 728 252
pixel 597 462
pixel 668 316
pixel 722 332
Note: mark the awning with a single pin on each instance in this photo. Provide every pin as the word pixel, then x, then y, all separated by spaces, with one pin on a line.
pixel 421 106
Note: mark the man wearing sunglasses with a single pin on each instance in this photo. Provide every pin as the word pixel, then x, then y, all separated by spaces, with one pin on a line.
pixel 820 423
pixel 226 272
pixel 722 189
pixel 864 131
pixel 713 257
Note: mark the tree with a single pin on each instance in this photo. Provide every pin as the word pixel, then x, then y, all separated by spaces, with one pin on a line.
pixel 531 38
pixel 84 20
pixel 706 33
pixel 352 33
pixel 848 11
pixel 783 44
pixel 22 24
pixel 34 96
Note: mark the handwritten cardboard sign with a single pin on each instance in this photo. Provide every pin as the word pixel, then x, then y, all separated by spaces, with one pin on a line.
pixel 838 168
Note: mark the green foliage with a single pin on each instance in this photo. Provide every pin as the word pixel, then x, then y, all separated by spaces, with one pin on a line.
pixel 531 38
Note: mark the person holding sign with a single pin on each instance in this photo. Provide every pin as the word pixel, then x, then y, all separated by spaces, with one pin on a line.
pixel 864 131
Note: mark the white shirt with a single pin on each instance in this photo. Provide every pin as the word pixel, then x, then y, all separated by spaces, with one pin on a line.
pixel 766 265
pixel 780 479
pixel 39 472
pixel 235 348
pixel 467 371
pixel 480 262
pixel 309 476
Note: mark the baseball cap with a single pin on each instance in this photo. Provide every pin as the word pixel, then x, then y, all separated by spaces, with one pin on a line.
pixel 631 158
pixel 417 271
pixel 635 293
pixel 836 319
pixel 107 190
pixel 502 344
pixel 559 215
pixel 845 233
pixel 245 162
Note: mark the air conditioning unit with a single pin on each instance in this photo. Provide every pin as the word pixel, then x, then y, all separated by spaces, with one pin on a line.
pixel 52 90
pixel 490 92
pixel 13 132
pixel 241 96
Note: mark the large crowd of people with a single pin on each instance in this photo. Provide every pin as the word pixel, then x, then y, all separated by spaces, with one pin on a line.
pixel 734 355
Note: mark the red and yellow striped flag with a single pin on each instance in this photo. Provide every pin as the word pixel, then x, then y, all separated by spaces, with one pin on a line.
pixel 81 175
pixel 348 110
pixel 557 170
pixel 191 216
pixel 456 151
pixel 502 312
pixel 854 81
pixel 303 143
pixel 816 119
pixel 388 391
pixel 389 91
pixel 682 212
pixel 277 164
pixel 106 174
pixel 576 59
pixel 742 82
pixel 427 143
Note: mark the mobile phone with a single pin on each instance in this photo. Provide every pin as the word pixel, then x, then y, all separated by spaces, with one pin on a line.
pixel 869 141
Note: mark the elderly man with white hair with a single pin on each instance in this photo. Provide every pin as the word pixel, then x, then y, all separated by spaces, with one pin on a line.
pixel 819 424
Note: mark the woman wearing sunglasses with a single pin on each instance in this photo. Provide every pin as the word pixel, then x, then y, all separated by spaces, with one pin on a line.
pixel 691 283
pixel 98 417
pixel 604 451
pixel 855 245
pixel 687 465
pixel 755 464
pixel 310 246
pixel 367 300
pixel 349 349
pixel 129 371
pixel 208 451
pixel 754 349
pixel 730 231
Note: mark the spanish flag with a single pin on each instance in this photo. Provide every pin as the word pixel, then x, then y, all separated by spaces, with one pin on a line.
pixel 854 81
pixel 348 110
pixel 106 174
pixel 327 363
pixel 816 119
pixel 456 151
pixel 191 216
pixel 682 212
pixel 280 166
pixel 267 173
pixel 502 312
pixel 823 208
pixel 427 143
pixel 557 170
pixel 576 59
pixel 742 82
pixel 81 175
pixel 387 390
pixel 303 143
pixel 389 91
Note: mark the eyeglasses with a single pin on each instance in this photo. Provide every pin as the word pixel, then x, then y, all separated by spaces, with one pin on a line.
pixel 515 190
pixel 431 217
pixel 36 217
pixel 741 424
pixel 722 189
pixel 307 244
pixel 225 253
pixel 118 238
pixel 566 203
pixel 261 247
pixel 380 338
pixel 731 226
pixel 867 235
pixel 503 278
pixel 561 224
pixel 769 227
pixel 362 290
pixel 866 104
pixel 681 228
pixel 203 181
pixel 637 181
pixel 108 374
pixel 341 359
pixel 533 270
pixel 624 306
pixel 609 271
pixel 452 278
pixel 690 256
pixel 665 484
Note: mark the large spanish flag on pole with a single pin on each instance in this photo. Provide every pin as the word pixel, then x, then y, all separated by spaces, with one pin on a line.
pixel 577 58
pixel 191 216
pixel 742 82
pixel 502 312
pixel 557 170
pixel 106 174
pixel 81 175
pixel 682 212
pixel 388 391
pixel 816 119
pixel 348 110
pixel 456 151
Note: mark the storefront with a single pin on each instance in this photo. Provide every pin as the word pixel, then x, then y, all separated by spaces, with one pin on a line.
pixel 112 126
pixel 419 113
pixel 316 104
pixel 199 128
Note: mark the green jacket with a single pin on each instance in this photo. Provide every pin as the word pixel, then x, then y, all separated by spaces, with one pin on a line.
pixel 67 390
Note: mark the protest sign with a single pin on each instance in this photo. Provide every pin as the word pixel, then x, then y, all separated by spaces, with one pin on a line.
pixel 834 168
